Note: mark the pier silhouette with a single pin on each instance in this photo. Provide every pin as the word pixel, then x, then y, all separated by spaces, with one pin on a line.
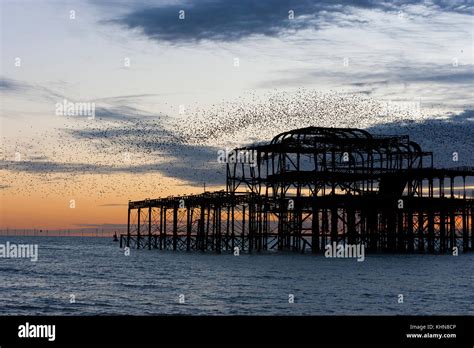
pixel 314 186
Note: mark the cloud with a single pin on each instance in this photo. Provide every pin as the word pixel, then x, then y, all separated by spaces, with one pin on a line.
pixel 23 88
pixel 213 20
pixel 406 72
pixel 45 167
pixel 127 98
pixel 168 152
pixel 10 85
pixel 193 164
pixel 464 75
pixel 119 113
pixel 464 7
pixel 221 20
pixel 433 84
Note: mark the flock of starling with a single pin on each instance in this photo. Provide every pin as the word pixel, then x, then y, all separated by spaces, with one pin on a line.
pixel 108 157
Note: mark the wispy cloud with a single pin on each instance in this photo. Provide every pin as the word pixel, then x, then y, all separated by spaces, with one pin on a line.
pixel 29 90
pixel 192 164
pixel 9 85
pixel 379 75
pixel 120 113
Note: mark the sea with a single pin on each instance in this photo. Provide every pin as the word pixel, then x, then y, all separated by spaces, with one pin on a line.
pixel 93 276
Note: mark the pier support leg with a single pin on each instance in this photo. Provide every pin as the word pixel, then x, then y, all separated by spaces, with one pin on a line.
pixel 149 227
pixel 161 228
pixel 243 227
pixel 315 230
pixel 471 221
pixel 128 228
pixel 452 229
pixel 334 227
pixel 175 227
pixel 188 229
pixel 138 228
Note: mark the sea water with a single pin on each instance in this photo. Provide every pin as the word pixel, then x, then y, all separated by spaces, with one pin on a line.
pixel 92 276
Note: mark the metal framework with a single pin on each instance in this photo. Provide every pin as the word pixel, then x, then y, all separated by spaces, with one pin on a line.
pixel 314 186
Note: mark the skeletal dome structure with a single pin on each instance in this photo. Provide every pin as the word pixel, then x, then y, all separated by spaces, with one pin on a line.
pixel 314 160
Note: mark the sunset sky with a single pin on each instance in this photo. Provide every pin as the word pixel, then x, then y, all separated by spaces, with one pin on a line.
pixel 168 91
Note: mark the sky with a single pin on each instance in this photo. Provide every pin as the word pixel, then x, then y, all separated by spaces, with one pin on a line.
pixel 172 82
